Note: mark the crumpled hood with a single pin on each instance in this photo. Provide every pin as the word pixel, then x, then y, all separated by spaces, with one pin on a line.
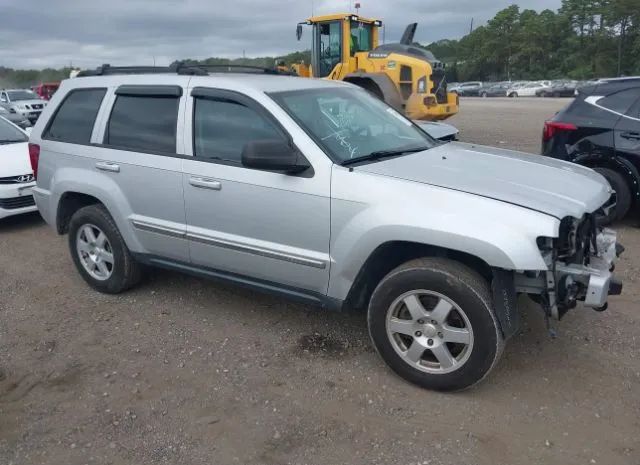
pixel 14 160
pixel 539 183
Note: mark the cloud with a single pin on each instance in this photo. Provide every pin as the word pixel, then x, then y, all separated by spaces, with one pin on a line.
pixel 46 33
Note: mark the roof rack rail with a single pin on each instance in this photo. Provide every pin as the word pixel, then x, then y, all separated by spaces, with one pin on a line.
pixel 180 67
pixel 106 69
pixel 232 68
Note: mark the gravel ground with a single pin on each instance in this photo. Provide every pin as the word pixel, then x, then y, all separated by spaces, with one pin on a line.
pixel 187 371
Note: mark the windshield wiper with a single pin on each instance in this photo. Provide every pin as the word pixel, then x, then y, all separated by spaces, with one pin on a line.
pixel 382 154
pixel 11 141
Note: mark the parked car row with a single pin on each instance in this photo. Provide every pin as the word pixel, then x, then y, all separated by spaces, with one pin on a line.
pixel 562 88
pixel 557 88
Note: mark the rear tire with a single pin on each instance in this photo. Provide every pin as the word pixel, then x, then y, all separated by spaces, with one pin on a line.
pixel 432 322
pixel 99 251
pixel 623 196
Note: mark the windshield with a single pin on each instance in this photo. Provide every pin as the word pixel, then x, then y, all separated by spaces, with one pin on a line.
pixel 22 95
pixel 10 134
pixel 350 123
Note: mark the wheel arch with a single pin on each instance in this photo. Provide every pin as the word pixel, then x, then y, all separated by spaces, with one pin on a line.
pixel 392 254
pixel 69 203
pixel 379 84
pixel 75 188
pixel 619 164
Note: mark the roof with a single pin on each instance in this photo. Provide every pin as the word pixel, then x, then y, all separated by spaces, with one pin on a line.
pixel 609 86
pixel 235 81
pixel 340 16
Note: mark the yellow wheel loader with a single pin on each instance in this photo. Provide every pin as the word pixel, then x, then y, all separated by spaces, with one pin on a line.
pixel 410 79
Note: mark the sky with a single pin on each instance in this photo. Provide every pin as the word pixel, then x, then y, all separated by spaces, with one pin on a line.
pixel 87 33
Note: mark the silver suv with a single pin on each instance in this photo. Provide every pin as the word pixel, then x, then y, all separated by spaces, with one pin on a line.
pixel 320 192
pixel 22 102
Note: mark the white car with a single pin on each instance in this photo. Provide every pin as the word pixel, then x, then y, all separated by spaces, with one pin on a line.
pixel 16 175
pixel 528 90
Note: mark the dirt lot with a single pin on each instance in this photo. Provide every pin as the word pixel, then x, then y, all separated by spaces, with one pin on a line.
pixel 186 371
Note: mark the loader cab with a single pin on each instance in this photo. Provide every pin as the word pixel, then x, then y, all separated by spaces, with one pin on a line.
pixel 336 39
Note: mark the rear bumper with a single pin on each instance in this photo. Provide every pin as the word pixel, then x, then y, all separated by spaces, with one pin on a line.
pixel 42 198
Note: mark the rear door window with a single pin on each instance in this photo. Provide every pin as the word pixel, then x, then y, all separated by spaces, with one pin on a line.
pixel 144 122
pixel 74 119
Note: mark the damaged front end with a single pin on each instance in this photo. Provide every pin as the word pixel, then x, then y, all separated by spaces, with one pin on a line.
pixel 580 265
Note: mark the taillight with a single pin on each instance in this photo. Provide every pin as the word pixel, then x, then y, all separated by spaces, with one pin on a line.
pixel 34 158
pixel 551 128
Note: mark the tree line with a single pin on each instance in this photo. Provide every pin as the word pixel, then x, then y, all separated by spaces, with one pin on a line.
pixel 582 40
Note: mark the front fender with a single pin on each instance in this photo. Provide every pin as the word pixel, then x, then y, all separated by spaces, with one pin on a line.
pixel 500 234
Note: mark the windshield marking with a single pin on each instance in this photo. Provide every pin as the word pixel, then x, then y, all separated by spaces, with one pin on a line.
pixel 343 142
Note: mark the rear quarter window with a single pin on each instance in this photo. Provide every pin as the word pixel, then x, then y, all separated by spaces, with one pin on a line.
pixel 584 114
pixel 620 102
pixel 74 119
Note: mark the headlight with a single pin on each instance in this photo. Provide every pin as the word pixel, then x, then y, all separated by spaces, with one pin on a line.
pixel 3 110
pixel 422 85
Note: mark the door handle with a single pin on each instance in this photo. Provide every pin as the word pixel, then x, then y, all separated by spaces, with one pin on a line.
pixel 631 135
pixel 106 166
pixel 205 183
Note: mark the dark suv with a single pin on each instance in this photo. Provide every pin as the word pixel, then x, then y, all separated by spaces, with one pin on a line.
pixel 601 129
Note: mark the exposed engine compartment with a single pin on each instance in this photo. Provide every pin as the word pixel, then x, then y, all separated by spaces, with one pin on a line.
pixel 580 268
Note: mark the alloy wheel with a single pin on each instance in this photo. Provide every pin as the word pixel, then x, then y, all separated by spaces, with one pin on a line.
pixel 95 252
pixel 429 331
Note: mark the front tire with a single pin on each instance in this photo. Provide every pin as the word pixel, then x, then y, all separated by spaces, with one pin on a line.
pixel 623 196
pixel 99 251
pixel 432 322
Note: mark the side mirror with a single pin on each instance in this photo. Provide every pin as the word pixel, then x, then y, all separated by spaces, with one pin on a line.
pixel 299 32
pixel 273 155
